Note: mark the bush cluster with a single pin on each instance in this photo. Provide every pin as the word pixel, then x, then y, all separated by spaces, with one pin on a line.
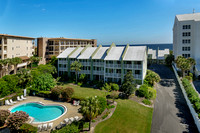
pixel 27 128
pixel 3 116
pixel 63 93
pixel 110 87
pixel 146 101
pixel 102 104
pixel 146 91
pixel 151 78
pixel 72 128
pixel 193 96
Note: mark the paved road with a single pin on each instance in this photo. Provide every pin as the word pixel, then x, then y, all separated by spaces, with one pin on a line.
pixel 171 114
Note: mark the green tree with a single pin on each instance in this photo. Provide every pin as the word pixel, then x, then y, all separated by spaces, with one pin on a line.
pixel 128 85
pixel 34 59
pixel 43 82
pixel 4 90
pixel 76 66
pixel 12 82
pixel 43 69
pixel 151 78
pixel 90 108
pixel 184 64
pixel 25 77
pixel 15 61
pixel 1 68
pixel 54 61
pixel 169 59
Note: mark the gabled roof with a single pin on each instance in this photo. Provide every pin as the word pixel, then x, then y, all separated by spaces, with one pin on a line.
pixel 101 53
pixel 136 53
pixel 87 53
pixel 115 53
pixel 76 53
pixel 187 17
pixel 153 53
pixel 65 53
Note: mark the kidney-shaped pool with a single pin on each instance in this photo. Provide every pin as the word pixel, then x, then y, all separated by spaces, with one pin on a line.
pixel 41 112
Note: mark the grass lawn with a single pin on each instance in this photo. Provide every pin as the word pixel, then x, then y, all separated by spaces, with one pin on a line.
pixel 83 92
pixel 129 117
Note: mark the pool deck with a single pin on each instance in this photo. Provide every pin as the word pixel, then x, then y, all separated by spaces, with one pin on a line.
pixel 72 110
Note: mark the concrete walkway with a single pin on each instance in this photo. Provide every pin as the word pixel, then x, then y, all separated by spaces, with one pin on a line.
pixel 171 113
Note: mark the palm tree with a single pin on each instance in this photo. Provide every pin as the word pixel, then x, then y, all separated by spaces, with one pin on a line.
pixel 34 59
pixel 5 65
pixel 15 61
pixel 25 77
pixel 76 65
pixel 90 108
pixel 184 64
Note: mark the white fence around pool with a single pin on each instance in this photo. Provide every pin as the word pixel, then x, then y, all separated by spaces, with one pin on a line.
pixel 192 111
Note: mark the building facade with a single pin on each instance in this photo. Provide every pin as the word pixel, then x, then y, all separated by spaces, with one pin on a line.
pixel 48 47
pixel 106 63
pixel 186 37
pixel 12 46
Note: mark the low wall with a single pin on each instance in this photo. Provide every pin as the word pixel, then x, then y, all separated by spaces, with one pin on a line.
pixel 192 111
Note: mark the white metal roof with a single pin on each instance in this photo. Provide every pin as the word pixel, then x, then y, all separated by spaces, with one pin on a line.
pixel 101 53
pixel 87 53
pixel 162 53
pixel 136 53
pixel 186 17
pixel 152 52
pixel 65 53
pixel 76 53
pixel 115 53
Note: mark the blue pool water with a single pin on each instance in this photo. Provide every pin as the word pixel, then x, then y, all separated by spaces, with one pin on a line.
pixel 39 112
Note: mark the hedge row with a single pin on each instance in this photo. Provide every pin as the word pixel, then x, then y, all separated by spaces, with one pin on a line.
pixel 193 96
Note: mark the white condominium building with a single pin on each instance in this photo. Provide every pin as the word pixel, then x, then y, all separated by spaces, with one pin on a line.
pixel 106 63
pixel 157 56
pixel 186 37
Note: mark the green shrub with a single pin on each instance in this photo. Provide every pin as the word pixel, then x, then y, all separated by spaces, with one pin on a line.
pixel 114 95
pixel 151 78
pixel 146 101
pixel 102 104
pixel 3 116
pixel 67 93
pixel 80 83
pixel 72 128
pixel 106 87
pixel 16 119
pixel 93 121
pixel 110 106
pixel 55 92
pixel 147 92
pixel 106 115
pixel 27 128
pixel 114 87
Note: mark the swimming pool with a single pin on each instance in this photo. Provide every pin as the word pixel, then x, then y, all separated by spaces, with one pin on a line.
pixel 41 112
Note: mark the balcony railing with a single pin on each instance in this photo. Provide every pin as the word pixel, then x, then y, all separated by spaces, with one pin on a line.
pixel 85 71
pixel 113 75
pixel 137 66
pixel 62 69
pixel 113 65
pixel 95 72
pixel 127 65
pixel 98 63
pixel 86 63
pixel 63 62
pixel 137 76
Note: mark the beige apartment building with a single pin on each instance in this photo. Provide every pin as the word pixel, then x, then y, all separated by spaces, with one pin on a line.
pixel 48 47
pixel 12 46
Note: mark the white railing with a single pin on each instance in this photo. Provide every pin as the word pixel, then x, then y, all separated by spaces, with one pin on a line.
pixel 98 72
pixel 137 66
pixel 113 65
pixel 98 63
pixel 62 69
pixel 137 76
pixel 85 63
pixel 128 66
pixel 113 75
pixel 63 62
pixel 85 71
pixel 192 111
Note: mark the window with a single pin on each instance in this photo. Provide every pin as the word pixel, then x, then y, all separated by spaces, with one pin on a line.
pixel 137 71
pixel 26 48
pixel 185 48
pixel 12 40
pixel 186 55
pixel 12 48
pixel 186 41
pixel 186 34
pixel 186 26
pixel 12 56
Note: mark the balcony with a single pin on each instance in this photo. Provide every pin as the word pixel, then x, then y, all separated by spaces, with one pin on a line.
pixel 62 69
pixel 137 66
pixel 128 66
pixel 98 64
pixel 95 72
pixel 137 76
pixel 116 75
pixel 63 62
pixel 5 51
pixel 114 65
pixel 85 71
pixel 86 63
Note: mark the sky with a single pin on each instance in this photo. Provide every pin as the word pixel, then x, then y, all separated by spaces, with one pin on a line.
pixel 118 21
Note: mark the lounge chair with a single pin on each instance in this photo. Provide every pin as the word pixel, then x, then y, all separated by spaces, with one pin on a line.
pixel 22 97
pixel 77 103
pixel 40 127
pixel 50 126
pixel 7 102
pixel 66 120
pixel 19 99
pixel 71 119
pixel 44 126
pixel 76 118
pixel 11 101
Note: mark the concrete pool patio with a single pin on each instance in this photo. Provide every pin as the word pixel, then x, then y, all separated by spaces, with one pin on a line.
pixel 72 110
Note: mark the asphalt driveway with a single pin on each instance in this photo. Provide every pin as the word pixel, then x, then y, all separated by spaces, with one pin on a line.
pixel 171 113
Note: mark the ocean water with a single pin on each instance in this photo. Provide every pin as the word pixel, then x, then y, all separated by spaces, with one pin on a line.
pixel 150 46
